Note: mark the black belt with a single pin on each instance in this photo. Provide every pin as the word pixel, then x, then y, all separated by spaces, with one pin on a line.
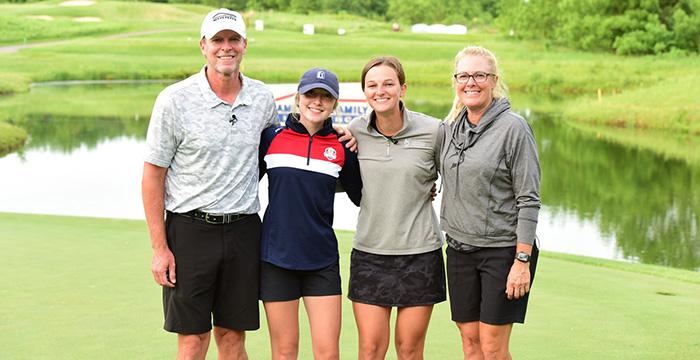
pixel 214 218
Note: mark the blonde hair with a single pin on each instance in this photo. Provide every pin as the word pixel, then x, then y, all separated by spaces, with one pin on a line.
pixel 295 106
pixel 499 91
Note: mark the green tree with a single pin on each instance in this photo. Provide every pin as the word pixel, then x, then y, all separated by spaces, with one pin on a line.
pixel 303 6
pixel 369 8
pixel 529 19
pixel 238 5
pixel 269 4
pixel 446 12
pixel 686 31
pixel 654 37
pixel 627 27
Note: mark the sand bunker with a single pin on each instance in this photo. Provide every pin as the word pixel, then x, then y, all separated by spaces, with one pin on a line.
pixel 87 19
pixel 77 3
pixel 40 17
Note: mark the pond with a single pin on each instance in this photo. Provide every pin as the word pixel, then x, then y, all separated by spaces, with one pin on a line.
pixel 600 199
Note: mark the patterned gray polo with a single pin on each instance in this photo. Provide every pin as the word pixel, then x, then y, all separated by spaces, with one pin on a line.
pixel 209 146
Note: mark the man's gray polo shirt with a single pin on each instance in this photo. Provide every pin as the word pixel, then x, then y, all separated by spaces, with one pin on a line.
pixel 209 146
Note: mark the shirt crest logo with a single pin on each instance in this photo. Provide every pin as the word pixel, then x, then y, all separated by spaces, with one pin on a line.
pixel 330 153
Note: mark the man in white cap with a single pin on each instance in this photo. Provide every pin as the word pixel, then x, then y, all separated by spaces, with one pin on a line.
pixel 201 169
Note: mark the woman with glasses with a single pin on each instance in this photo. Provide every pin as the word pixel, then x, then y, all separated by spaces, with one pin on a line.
pixel 299 251
pixel 396 259
pixel 490 205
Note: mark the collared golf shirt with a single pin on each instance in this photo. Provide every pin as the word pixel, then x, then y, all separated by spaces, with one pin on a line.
pixel 396 213
pixel 210 147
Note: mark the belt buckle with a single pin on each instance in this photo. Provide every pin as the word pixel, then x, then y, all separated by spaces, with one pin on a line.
pixel 208 218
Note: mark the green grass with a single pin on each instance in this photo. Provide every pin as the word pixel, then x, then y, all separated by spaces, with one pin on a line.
pixel 555 79
pixel 645 108
pixel 323 23
pixel 82 113
pixel 19 23
pixel 27 23
pixel 11 138
pixel 82 101
pixel 80 288
pixel 281 52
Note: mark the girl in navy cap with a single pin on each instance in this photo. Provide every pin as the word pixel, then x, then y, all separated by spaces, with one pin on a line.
pixel 299 251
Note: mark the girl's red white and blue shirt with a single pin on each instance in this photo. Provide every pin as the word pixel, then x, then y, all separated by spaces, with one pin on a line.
pixel 303 171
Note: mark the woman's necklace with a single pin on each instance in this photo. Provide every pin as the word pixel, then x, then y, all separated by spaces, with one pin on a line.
pixel 389 128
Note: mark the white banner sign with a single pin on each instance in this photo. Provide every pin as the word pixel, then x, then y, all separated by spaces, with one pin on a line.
pixel 352 102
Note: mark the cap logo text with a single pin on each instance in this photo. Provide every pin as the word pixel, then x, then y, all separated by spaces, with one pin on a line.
pixel 222 16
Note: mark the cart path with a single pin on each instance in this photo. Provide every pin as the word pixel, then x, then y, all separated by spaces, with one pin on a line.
pixel 9 49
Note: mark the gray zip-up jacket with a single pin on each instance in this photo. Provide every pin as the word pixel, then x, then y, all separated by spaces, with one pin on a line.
pixel 491 179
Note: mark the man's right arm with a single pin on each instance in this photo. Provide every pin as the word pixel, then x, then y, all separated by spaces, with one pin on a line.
pixel 153 192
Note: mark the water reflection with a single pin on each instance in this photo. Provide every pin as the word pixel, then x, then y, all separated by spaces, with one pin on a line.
pixel 65 118
pixel 650 205
pixel 96 181
pixel 65 134
pixel 600 198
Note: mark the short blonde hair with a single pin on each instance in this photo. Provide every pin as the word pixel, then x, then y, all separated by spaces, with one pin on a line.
pixel 499 91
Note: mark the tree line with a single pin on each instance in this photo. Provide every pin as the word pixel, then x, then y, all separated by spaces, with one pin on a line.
pixel 625 27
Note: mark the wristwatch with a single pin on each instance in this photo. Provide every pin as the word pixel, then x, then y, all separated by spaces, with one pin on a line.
pixel 522 257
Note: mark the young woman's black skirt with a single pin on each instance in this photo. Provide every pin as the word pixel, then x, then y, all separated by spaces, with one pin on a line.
pixel 397 280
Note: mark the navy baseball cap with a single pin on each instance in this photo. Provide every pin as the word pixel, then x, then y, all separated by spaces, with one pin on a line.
pixel 319 78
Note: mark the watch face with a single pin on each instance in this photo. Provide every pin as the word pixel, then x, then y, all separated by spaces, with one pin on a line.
pixel 521 256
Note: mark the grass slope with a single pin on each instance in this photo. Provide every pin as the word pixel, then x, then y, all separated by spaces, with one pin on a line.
pixel 80 288
pixel 646 88
pixel 643 108
pixel 528 65
pixel 84 101
pixel 49 20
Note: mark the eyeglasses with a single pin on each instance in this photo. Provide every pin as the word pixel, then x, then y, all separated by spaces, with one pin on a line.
pixel 479 77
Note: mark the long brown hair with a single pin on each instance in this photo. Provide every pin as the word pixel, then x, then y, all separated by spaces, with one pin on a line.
pixel 389 61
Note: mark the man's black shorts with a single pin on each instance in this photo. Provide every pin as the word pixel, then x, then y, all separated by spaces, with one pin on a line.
pixel 477 285
pixel 217 268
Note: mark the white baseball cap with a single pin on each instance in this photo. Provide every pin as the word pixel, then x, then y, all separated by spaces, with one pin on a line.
pixel 222 19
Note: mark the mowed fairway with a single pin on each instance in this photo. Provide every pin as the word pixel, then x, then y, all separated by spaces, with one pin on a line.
pixel 600 92
pixel 80 288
